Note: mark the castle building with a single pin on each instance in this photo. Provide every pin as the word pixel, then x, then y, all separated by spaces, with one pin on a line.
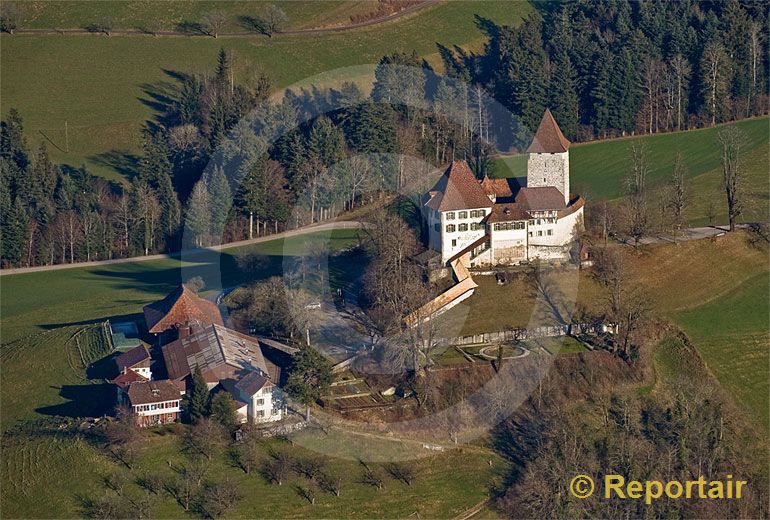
pixel 499 222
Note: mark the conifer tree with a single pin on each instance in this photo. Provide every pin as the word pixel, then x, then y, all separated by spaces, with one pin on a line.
pixel 198 402
pixel 564 100
pixel 220 201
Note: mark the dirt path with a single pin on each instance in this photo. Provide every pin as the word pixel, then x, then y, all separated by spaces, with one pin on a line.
pixel 242 34
pixel 191 254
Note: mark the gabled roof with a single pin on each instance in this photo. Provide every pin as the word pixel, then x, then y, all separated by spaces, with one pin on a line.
pixel 457 189
pixel 180 307
pixel 132 358
pixel 252 383
pixel 499 188
pixel 124 380
pixel 145 392
pixel 542 198
pixel 548 138
pixel 507 213
pixel 218 351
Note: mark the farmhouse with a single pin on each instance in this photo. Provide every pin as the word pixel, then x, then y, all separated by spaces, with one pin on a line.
pixel 178 312
pixel 496 221
pixel 136 360
pixel 235 362
pixel 153 402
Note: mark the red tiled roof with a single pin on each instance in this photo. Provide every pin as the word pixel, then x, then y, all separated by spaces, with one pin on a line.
pixel 507 213
pixel 132 358
pixel 457 189
pixel 124 380
pixel 548 138
pixel 180 307
pixel 145 392
pixel 542 198
pixel 499 188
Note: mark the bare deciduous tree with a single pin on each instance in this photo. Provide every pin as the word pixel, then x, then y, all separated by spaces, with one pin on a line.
pixel 213 22
pixel 732 139
pixel 677 198
pixel 636 189
pixel 274 19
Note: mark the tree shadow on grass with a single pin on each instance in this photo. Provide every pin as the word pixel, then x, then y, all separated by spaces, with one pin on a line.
pixel 253 24
pixel 191 28
pixel 122 161
pixel 87 400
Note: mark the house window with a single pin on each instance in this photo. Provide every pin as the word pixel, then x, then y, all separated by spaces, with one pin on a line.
pixel 260 413
pixel 549 232
pixel 518 225
pixel 260 402
pixel 530 234
pixel 474 213
pixel 481 213
pixel 450 215
pixel 462 227
pixel 462 214
pixel 531 222
pixel 540 233
pixel 274 411
pixel 538 222
pixel 475 226
pixel 450 228
pixel 454 243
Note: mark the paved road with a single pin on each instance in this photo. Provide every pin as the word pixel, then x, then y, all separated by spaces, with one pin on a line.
pixel 193 253
pixel 244 34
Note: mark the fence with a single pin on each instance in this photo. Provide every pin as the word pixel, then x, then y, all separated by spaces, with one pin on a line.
pixel 504 336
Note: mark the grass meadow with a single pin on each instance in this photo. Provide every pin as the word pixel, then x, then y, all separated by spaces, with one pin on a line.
pixel 104 88
pixel 598 169
pixel 171 14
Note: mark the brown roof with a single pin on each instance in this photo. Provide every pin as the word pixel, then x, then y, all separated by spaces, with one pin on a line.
pixel 499 188
pixel 541 198
pixel 180 307
pixel 507 213
pixel 218 351
pixel 548 138
pixel 145 392
pixel 252 383
pixel 132 358
pixel 457 189
pixel 124 380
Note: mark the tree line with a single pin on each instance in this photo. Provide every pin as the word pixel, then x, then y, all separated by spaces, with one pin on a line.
pixel 619 67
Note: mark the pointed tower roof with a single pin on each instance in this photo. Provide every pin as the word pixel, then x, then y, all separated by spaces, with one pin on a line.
pixel 548 138
pixel 180 307
pixel 457 189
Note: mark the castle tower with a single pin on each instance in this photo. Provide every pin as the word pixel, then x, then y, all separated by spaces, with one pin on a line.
pixel 548 161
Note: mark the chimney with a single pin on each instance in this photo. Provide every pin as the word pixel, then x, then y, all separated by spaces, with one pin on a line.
pixel 185 330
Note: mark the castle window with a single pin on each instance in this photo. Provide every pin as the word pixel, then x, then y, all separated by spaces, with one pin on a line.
pixel 530 234
pixel 450 228
pixel 462 227
pixel 518 225
pixel 531 222
pixel 544 179
pixel 462 214
pixel 549 232
pixel 454 243
pixel 538 222
pixel 450 215
pixel 475 226
pixel 540 233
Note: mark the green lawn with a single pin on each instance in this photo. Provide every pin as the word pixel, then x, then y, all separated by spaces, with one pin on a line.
pixel 32 489
pixel 597 170
pixel 731 333
pixel 49 299
pixel 105 88
pixel 167 15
